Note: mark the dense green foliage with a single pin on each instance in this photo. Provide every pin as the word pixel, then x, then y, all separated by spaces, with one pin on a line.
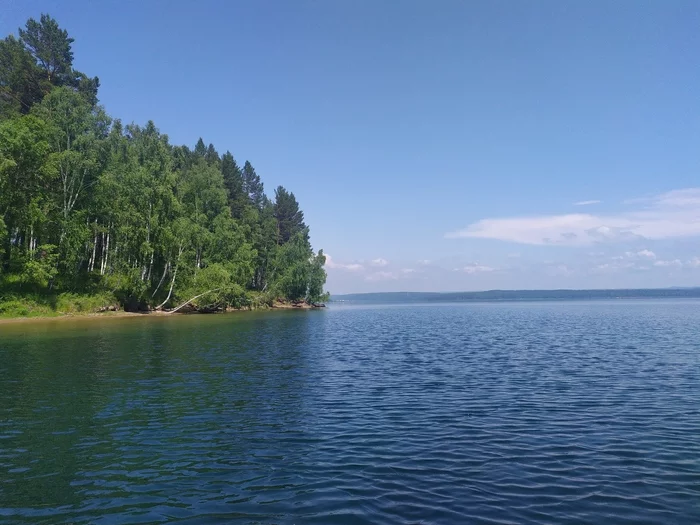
pixel 91 206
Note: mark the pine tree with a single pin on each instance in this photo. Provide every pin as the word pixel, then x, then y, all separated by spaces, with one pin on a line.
pixel 233 180
pixel 253 186
pixel 212 156
pixel 290 219
pixel 21 81
pixel 51 47
pixel 200 150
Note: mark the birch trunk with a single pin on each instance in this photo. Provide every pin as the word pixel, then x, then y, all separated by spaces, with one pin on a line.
pixel 172 283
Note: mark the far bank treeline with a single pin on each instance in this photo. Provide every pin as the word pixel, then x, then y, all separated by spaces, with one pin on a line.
pixel 92 207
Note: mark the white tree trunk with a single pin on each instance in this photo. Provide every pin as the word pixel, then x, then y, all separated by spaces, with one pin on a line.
pixel 91 264
pixel 150 266
pixel 165 271
pixel 172 282
pixel 195 297
pixel 106 254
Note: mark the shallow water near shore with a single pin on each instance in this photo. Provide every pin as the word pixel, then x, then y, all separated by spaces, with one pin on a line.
pixel 552 412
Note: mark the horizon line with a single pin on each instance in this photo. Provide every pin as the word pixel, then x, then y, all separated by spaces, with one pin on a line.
pixel 525 290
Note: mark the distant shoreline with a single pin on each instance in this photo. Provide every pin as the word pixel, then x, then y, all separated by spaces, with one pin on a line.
pixel 519 295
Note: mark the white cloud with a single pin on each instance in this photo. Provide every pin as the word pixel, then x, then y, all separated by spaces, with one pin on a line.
pixel 391 276
pixel 424 262
pixel 673 214
pixel 352 267
pixel 474 268
pixel 382 276
pixel 586 203
pixel 514 255
pixel 683 198
pixel 379 262
pixel 641 254
pixel 675 262
pixel 617 265
pixel 641 260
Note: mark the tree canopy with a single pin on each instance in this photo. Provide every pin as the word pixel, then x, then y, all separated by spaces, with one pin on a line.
pixel 89 204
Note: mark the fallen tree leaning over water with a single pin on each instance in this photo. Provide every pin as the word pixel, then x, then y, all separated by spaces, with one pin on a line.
pixel 191 300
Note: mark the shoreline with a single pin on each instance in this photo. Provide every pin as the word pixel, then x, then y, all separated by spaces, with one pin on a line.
pixel 121 314
pixel 86 315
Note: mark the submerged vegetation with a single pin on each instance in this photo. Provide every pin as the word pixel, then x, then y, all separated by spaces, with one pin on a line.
pixel 94 212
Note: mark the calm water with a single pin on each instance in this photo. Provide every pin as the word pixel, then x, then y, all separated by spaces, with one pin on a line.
pixel 481 413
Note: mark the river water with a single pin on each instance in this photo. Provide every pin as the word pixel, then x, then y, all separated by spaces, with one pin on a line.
pixel 509 413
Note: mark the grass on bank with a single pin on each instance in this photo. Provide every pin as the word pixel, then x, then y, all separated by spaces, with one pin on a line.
pixel 51 305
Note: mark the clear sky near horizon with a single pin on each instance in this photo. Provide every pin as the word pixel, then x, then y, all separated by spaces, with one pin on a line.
pixel 433 146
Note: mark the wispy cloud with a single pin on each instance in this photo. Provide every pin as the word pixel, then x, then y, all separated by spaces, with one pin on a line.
pixel 586 203
pixel 615 265
pixel 351 267
pixel 379 262
pixel 641 254
pixel 666 264
pixel 382 276
pixel 693 262
pixel 644 260
pixel 670 215
pixel 474 268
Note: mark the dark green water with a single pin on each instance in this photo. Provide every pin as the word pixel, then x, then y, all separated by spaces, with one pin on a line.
pixel 557 413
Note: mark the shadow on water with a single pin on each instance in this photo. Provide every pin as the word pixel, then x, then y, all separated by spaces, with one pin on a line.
pixel 121 414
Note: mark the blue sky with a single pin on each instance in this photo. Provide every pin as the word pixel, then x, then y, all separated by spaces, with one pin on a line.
pixel 432 145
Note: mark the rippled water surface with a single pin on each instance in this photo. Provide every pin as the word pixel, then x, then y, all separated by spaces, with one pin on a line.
pixel 583 413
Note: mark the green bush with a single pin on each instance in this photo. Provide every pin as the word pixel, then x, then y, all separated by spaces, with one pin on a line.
pixel 46 305
pixel 129 290
pixel 70 303
pixel 25 306
pixel 13 308
pixel 41 268
pixel 259 300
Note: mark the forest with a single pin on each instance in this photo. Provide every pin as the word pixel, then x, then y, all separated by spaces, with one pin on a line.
pixel 96 213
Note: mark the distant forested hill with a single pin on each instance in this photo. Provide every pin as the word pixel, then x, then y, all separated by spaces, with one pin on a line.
pixel 518 295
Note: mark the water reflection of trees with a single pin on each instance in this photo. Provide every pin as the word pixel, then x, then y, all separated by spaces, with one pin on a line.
pixel 147 409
